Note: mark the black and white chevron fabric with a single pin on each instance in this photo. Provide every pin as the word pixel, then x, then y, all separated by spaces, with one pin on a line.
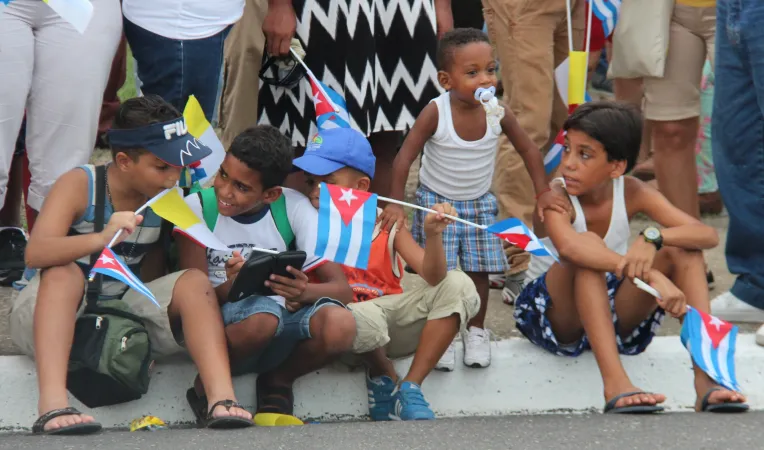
pixel 378 54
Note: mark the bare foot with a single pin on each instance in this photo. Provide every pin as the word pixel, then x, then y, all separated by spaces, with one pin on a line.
pixel 66 420
pixel 234 411
pixel 703 384
pixel 638 399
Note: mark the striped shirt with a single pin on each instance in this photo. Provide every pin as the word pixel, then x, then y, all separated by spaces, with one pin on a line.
pixel 131 250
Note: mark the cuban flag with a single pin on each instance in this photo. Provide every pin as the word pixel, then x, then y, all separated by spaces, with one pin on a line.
pixel 516 233
pixel 711 343
pixel 110 265
pixel 607 13
pixel 346 220
pixel 331 110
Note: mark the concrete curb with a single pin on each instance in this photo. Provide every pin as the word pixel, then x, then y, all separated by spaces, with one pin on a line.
pixel 521 379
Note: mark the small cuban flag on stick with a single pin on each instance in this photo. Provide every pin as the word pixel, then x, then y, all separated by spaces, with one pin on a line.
pixel 709 340
pixel 516 233
pixel 346 220
pixel 331 109
pixel 110 265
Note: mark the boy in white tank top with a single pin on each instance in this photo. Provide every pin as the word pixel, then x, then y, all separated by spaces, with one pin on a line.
pixel 457 168
pixel 589 301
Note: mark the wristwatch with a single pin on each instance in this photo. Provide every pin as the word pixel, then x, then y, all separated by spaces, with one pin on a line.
pixel 653 236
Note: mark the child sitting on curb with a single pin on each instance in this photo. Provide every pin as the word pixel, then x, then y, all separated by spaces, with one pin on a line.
pixel 389 321
pixel 589 300
pixel 145 160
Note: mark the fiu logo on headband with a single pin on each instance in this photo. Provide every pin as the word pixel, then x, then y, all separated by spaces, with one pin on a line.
pixel 180 128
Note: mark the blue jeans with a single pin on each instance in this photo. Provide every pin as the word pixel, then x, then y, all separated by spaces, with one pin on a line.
pixel 176 69
pixel 737 132
pixel 293 328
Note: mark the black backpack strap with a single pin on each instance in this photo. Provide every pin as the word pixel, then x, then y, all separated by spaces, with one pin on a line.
pixel 94 287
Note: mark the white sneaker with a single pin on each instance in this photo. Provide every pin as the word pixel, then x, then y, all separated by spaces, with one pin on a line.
pixel 496 281
pixel 732 309
pixel 447 362
pixel 760 336
pixel 477 348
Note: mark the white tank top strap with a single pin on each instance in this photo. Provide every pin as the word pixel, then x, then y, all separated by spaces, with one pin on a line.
pixel 443 104
pixel 579 224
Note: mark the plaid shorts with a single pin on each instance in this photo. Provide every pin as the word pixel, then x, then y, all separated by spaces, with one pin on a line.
pixel 531 320
pixel 475 250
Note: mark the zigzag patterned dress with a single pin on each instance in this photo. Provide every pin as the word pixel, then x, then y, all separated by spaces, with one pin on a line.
pixel 378 54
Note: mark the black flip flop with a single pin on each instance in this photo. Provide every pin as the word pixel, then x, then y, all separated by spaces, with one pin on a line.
pixel 729 407
pixel 610 407
pixel 204 416
pixel 79 429
pixel 274 399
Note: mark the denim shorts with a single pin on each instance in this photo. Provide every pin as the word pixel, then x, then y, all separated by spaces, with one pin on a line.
pixel 293 328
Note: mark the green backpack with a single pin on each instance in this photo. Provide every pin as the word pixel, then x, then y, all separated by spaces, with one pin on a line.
pixel 278 211
pixel 110 360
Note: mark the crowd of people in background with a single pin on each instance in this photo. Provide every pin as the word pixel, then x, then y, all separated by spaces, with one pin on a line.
pixel 394 64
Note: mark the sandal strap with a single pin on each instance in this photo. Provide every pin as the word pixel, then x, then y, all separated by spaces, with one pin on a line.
pixel 227 404
pixel 39 424
pixel 704 403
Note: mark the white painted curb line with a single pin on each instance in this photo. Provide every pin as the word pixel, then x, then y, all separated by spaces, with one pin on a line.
pixel 521 379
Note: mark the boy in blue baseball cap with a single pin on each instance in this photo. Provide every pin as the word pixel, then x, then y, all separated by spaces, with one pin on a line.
pixel 421 321
pixel 150 143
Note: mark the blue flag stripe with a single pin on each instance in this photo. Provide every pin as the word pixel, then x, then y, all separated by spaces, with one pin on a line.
pixel 118 276
pixel 369 211
pixel 324 220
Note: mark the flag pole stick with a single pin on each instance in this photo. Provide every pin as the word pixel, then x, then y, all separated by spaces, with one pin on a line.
pixel 649 289
pixel 570 25
pixel 588 44
pixel 422 208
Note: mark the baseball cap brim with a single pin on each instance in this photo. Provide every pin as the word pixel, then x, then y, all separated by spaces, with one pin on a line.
pixel 181 151
pixel 317 165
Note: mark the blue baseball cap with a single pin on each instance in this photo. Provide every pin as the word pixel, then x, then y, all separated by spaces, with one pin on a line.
pixel 169 141
pixel 331 150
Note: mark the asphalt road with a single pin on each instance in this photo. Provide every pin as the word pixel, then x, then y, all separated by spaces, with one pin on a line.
pixel 549 432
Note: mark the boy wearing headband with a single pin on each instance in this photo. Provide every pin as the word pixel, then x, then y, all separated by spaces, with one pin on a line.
pixel 150 144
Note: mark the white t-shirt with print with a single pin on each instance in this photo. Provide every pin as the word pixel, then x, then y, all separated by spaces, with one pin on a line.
pixel 242 233
pixel 183 19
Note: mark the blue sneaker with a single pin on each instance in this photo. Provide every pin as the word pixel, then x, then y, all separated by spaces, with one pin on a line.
pixel 380 397
pixel 409 403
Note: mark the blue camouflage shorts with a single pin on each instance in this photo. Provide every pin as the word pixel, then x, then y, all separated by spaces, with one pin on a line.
pixel 531 320
pixel 474 250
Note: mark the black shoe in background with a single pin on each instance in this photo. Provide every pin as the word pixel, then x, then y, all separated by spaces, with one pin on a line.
pixel 13 242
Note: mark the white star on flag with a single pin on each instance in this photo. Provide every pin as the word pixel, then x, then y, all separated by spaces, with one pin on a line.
pixel 347 196
pixel 716 322
pixel 106 260
pixel 316 99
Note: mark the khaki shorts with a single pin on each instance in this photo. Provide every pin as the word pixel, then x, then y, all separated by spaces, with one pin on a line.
pixel 676 95
pixel 396 321
pixel 155 319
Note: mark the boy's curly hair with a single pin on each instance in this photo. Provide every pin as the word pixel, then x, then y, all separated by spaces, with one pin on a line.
pixel 458 37
pixel 265 150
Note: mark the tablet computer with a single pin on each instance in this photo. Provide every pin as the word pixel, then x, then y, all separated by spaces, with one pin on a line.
pixel 258 269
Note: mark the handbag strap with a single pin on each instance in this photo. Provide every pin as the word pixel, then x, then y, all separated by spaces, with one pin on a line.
pixel 94 287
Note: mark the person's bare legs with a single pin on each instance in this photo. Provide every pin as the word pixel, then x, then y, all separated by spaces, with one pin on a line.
pixel 631 91
pixel 483 289
pixel 385 146
pixel 60 293
pixel 675 165
pixel 686 269
pixel 580 304
pixel 379 364
pixel 195 305
pixel 436 336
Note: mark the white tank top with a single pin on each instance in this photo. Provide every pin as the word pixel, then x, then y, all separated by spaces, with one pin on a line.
pixel 455 168
pixel 616 238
